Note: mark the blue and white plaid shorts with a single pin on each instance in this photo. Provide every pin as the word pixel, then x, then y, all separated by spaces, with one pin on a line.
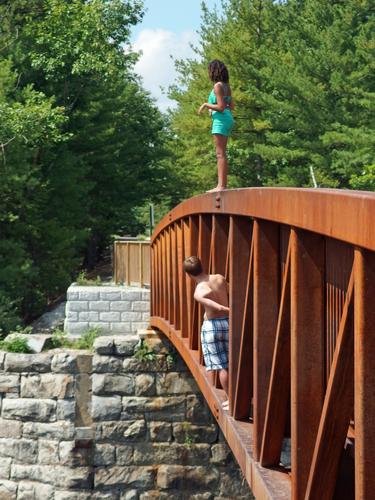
pixel 215 343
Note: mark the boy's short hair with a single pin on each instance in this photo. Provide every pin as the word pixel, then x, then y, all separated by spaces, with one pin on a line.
pixel 192 265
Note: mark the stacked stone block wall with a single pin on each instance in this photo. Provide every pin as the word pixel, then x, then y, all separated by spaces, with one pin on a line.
pixel 111 309
pixel 41 425
pixel 110 426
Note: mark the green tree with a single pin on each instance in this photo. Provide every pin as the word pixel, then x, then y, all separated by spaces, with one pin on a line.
pixel 81 143
pixel 302 76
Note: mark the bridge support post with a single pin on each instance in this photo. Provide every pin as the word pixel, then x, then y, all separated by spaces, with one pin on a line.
pixel 307 352
pixel 364 373
pixel 266 284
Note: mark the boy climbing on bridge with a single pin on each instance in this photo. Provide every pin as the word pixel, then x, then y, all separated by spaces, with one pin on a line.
pixel 212 292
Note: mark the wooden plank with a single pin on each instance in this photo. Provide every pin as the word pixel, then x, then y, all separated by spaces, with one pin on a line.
pixel 227 262
pixel 279 388
pixel 133 263
pixel 164 295
pixel 184 326
pixel 169 282
pixel 204 253
pixel 364 375
pixel 115 260
pixel 146 263
pixel 307 352
pixel 219 243
pixel 240 245
pixel 189 290
pixel 191 235
pixel 157 279
pixel 127 271
pixel 160 269
pixel 141 277
pixel 266 308
pixel 153 280
pixel 175 276
pixel 244 384
pixel 337 410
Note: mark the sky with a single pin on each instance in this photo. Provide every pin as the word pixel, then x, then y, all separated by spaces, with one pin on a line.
pixel 168 28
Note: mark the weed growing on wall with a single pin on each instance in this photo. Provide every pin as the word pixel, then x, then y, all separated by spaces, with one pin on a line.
pixel 189 439
pixel 83 280
pixel 144 353
pixel 61 339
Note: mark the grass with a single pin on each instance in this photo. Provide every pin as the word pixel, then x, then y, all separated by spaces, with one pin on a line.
pixel 83 280
pixel 61 339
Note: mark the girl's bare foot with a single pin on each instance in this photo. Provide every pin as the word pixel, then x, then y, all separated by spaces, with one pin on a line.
pixel 217 188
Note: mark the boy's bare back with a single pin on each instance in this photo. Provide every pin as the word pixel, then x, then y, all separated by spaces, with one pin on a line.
pixel 212 293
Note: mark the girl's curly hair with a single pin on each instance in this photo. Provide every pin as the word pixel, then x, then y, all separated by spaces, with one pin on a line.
pixel 218 72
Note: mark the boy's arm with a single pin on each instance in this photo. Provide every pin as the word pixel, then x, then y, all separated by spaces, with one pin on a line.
pixel 200 297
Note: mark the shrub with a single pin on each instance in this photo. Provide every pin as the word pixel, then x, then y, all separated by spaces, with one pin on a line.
pixel 16 344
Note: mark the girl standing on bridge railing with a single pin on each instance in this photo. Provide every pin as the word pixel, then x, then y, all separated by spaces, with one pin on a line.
pixel 220 104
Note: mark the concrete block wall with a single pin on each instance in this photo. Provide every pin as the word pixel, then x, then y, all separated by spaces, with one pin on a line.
pixel 114 309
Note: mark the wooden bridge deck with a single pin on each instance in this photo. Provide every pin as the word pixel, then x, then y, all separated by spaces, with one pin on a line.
pixel 301 271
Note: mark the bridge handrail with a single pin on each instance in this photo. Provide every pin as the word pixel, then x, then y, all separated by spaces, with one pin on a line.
pixel 301 270
pixel 342 214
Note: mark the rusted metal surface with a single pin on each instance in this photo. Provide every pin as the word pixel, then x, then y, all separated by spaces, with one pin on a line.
pixel 337 410
pixel 266 284
pixel 330 212
pixel 288 256
pixel 240 239
pixel 307 351
pixel 364 374
pixel 279 386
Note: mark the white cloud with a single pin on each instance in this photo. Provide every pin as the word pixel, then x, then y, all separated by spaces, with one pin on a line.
pixel 155 65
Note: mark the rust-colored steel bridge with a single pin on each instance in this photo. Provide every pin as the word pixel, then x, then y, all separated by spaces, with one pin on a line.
pixel 301 270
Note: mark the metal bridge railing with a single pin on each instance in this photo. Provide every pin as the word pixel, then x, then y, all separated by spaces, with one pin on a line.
pixel 301 270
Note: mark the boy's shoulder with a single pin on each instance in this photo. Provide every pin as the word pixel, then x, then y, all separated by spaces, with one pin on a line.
pixel 217 281
pixel 217 277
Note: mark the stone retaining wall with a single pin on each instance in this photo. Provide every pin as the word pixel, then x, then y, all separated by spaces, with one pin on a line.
pixel 111 426
pixel 112 309
pixel 44 414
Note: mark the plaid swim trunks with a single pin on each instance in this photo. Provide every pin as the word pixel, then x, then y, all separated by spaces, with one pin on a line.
pixel 215 343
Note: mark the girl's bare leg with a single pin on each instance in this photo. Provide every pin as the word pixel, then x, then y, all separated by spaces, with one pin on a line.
pixel 222 162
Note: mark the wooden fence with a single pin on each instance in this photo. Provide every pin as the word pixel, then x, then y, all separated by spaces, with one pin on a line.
pixel 132 262
pixel 301 271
